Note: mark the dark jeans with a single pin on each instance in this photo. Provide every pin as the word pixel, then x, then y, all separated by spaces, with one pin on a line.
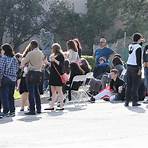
pixel 7 93
pixel 133 81
pixel 34 97
pixel 146 77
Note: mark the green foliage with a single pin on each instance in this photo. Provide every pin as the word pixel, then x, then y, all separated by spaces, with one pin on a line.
pixel 20 19
pixel 90 59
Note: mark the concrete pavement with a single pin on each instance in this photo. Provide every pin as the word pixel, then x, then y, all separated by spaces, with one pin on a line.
pixel 96 125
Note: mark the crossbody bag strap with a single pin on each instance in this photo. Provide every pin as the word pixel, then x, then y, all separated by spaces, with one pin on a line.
pixel 56 70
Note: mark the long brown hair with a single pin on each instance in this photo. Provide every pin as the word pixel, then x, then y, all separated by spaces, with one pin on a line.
pixel 56 48
pixel 78 44
pixel 72 45
pixel 33 44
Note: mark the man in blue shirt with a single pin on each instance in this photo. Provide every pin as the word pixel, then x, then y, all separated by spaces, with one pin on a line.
pixel 103 51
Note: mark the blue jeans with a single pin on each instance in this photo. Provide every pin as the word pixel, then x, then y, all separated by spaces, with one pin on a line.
pixel 7 92
pixel 34 97
pixel 146 77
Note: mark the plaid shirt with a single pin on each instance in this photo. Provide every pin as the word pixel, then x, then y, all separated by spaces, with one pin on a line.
pixel 9 67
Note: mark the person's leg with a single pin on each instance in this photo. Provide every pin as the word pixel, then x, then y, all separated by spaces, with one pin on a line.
pixel 54 96
pixel 5 97
pixel 135 86
pixel 11 97
pixel 61 96
pixel 37 98
pixel 24 100
pixel 31 98
pixel 146 79
pixel 128 87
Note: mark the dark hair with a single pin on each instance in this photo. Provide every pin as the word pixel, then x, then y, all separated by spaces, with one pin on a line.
pixel 78 44
pixel 116 61
pixel 137 36
pixel 34 44
pixel 115 71
pixel 85 65
pixel 8 51
pixel 72 45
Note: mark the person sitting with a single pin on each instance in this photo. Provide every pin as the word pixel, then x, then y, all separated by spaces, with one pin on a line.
pixel 118 63
pixel 75 70
pixel 85 65
pixel 102 67
pixel 116 90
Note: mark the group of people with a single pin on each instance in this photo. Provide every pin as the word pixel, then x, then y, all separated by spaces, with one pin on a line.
pixel 26 72
pixel 122 86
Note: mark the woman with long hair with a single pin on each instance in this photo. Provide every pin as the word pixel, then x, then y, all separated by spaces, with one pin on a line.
pixel 57 69
pixel 73 55
pixel 78 44
pixel 23 83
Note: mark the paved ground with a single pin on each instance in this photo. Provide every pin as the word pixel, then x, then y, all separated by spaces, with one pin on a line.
pixel 99 125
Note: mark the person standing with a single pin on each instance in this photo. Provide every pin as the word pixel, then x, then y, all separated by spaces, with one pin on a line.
pixel 73 55
pixel 145 64
pixel 57 69
pixel 35 60
pixel 134 70
pixel 8 71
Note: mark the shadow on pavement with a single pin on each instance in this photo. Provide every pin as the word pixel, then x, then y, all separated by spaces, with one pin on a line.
pixel 55 113
pixel 5 120
pixel 30 118
pixel 136 109
pixel 73 109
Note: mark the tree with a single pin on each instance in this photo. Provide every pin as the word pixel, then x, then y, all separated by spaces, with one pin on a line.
pixel 135 14
pixel 21 19
pixel 62 21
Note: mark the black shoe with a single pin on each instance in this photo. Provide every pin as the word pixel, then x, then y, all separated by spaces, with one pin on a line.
pixel 60 109
pixel 39 112
pixel 12 114
pixel 92 100
pixel 126 104
pixel 136 104
pixel 22 109
pixel 49 109
pixel 30 113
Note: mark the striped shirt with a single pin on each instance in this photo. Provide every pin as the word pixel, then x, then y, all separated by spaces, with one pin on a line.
pixel 9 67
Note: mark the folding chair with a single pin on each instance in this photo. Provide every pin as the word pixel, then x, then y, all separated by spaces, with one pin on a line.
pixel 79 95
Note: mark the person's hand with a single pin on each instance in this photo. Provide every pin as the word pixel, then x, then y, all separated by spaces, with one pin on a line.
pixel 120 89
pixel 139 72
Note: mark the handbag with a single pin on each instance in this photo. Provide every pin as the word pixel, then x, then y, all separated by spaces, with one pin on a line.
pixel 64 77
pixel 35 77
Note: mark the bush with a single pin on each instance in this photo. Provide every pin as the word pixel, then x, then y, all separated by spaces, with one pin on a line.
pixel 90 59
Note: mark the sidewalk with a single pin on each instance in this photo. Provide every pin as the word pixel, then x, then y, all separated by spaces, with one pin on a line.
pixel 99 125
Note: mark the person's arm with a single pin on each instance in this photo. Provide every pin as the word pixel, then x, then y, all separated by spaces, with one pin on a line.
pixel 25 60
pixel 138 57
pixel 2 66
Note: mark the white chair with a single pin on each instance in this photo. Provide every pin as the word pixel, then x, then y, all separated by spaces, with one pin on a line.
pixel 79 95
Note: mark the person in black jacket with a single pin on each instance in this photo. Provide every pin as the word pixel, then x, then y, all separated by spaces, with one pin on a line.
pixel 134 70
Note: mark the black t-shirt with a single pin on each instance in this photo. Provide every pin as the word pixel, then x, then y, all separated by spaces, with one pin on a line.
pixel 114 85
